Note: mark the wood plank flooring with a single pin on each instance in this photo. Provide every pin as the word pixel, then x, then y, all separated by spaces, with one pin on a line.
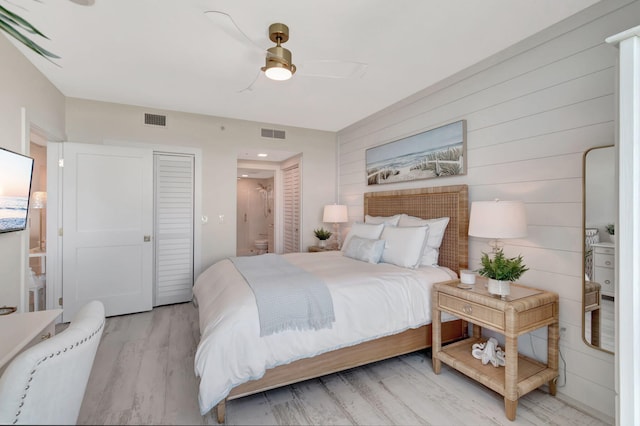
pixel 607 324
pixel 143 374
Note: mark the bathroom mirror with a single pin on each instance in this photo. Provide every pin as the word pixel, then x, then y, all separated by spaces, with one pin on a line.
pixel 600 209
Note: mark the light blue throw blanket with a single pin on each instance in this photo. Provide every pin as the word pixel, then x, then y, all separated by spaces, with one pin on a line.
pixel 288 298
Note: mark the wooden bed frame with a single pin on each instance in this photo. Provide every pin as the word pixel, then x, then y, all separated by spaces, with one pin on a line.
pixel 427 203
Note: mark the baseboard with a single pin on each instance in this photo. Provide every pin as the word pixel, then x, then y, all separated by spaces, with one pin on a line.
pixel 584 408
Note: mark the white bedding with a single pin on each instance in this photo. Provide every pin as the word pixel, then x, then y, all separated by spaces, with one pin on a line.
pixel 370 301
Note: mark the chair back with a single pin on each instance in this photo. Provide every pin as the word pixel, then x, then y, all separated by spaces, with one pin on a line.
pixel 45 384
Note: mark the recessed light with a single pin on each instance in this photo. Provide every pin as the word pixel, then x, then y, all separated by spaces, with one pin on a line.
pixel 244 175
pixel 263 155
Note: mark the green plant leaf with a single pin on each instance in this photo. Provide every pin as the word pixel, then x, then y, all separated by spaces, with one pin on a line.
pixel 322 234
pixel 17 20
pixel 10 22
pixel 502 268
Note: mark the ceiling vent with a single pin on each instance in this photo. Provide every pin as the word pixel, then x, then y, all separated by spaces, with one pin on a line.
pixel 155 120
pixel 273 133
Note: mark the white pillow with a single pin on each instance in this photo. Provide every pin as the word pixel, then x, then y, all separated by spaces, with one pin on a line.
pixel 436 234
pixel 387 220
pixel 404 246
pixel 364 230
pixel 364 249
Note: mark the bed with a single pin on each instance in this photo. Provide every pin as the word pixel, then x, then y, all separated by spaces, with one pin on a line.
pixel 327 351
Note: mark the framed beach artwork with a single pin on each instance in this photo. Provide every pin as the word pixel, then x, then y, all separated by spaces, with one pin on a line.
pixel 435 153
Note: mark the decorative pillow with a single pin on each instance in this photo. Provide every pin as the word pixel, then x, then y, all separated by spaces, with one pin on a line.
pixel 436 234
pixel 387 220
pixel 364 230
pixel 404 246
pixel 365 249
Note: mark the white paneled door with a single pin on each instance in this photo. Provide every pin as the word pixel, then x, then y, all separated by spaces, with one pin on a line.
pixel 107 202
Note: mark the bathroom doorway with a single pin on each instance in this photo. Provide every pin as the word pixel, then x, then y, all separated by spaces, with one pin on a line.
pixel 256 212
pixel 36 276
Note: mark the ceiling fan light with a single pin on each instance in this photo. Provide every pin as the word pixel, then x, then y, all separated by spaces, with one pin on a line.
pixel 278 72
pixel 278 64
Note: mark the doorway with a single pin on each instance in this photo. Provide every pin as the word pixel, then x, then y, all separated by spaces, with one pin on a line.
pixel 36 277
pixel 123 187
pixel 255 212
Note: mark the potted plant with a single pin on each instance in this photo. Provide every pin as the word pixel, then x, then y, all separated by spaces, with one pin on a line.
pixel 501 271
pixel 611 230
pixel 322 235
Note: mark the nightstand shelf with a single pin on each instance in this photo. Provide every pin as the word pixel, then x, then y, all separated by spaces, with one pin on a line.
pixel 526 309
pixel 458 355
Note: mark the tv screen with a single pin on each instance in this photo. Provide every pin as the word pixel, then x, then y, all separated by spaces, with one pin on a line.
pixel 16 171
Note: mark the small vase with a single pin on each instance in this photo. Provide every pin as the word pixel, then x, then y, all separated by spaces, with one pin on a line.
pixel 322 243
pixel 500 288
pixel 612 238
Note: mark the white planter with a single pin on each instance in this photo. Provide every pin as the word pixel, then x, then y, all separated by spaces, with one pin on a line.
pixel 500 288
pixel 322 243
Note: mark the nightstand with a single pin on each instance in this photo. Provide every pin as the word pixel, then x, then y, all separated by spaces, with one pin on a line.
pixel 524 310
pixel 315 249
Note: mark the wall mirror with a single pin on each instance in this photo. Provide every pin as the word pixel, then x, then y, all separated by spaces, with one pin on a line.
pixel 600 209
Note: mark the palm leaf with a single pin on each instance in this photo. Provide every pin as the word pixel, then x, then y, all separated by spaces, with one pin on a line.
pixel 17 20
pixel 10 22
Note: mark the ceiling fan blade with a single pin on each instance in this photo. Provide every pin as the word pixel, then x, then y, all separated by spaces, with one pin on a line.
pixel 250 87
pixel 330 68
pixel 225 22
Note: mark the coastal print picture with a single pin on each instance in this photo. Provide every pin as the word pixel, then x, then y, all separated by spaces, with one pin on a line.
pixel 435 153
pixel 15 184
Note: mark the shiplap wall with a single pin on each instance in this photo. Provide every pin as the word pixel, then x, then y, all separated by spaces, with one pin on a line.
pixel 531 111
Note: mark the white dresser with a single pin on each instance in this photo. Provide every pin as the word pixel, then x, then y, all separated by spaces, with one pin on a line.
pixel 604 264
pixel 21 331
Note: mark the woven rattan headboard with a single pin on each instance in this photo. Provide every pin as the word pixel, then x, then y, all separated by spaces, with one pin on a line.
pixel 429 203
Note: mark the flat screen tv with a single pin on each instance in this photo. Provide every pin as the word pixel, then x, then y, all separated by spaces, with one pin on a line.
pixel 16 171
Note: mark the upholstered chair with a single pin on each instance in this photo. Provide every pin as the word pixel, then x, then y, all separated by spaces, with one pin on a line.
pixel 45 384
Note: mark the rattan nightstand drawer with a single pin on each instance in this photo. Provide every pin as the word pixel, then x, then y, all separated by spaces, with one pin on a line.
pixel 491 317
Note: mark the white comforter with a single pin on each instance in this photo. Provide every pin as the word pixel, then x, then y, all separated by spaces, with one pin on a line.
pixel 370 301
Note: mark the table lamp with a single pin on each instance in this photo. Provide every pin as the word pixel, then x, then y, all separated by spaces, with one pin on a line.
pixel 497 220
pixel 336 214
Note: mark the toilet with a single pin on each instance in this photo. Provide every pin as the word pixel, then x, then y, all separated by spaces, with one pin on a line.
pixel 262 246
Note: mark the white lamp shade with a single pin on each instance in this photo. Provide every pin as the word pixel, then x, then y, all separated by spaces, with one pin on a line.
pixel 39 200
pixel 498 219
pixel 335 213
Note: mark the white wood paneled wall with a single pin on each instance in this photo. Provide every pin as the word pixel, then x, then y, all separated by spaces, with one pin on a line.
pixel 531 111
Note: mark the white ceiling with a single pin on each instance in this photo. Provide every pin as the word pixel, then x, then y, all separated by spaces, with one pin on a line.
pixel 168 54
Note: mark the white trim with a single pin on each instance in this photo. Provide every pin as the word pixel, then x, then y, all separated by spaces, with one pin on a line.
pixel 55 152
pixel 24 237
pixel 631 32
pixel 628 231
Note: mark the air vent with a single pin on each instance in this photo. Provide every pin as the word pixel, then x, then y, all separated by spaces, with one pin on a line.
pixel 272 133
pixel 155 120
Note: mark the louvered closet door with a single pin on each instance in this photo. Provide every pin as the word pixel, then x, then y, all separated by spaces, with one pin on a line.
pixel 291 190
pixel 174 205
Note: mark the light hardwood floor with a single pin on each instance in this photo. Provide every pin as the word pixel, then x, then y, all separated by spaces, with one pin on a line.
pixel 607 324
pixel 143 374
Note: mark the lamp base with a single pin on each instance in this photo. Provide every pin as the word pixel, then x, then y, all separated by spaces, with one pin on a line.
pixel 496 245
pixel 336 232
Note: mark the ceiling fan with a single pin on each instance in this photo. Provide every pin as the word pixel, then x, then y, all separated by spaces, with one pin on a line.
pixel 278 60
